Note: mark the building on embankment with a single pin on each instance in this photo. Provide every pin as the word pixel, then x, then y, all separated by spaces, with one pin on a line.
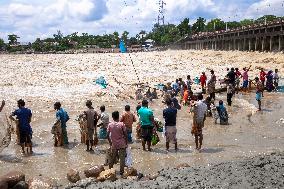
pixel 257 37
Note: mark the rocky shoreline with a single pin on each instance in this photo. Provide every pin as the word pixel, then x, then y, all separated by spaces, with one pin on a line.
pixel 263 171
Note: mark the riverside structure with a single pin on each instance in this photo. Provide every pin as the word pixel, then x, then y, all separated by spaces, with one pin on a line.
pixel 257 37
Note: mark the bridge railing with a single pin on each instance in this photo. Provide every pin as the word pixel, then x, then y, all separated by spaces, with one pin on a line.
pixel 239 29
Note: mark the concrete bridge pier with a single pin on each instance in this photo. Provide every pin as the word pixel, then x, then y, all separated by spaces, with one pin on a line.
pixel 255 44
pixel 270 43
pixel 262 44
pixel 280 43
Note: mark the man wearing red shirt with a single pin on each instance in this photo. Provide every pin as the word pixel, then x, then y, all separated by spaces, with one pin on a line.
pixel 262 76
pixel 203 80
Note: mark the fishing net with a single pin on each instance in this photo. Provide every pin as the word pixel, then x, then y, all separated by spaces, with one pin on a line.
pixel 5 132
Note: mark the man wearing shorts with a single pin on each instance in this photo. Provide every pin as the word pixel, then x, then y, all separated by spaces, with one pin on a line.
pixel 104 117
pixel 245 78
pixel 259 90
pixel 146 120
pixel 170 116
pixel 199 116
pixel 24 116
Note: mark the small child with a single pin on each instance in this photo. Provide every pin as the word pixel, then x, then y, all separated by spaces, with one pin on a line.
pixel 230 93
pixel 203 79
pixel 276 79
pixel 104 117
pixel 223 115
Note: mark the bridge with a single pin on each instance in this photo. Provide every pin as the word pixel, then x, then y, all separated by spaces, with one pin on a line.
pixel 258 37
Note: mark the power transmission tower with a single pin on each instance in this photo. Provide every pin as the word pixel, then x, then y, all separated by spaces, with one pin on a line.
pixel 161 16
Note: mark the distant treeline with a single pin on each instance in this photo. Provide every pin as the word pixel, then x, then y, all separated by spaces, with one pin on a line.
pixel 161 34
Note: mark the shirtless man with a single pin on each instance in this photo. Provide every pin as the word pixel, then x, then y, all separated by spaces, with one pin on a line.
pixel 259 90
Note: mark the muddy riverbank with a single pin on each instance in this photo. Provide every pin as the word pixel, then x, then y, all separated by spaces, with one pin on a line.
pixel 265 171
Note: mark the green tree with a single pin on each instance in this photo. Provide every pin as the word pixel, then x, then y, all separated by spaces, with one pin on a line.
pixel 215 25
pixel 2 44
pixel 37 45
pixel 199 25
pixel 246 22
pixel 234 25
pixel 184 27
pixel 13 39
pixel 124 36
pixel 133 41
pixel 266 18
pixel 58 37
pixel 141 36
pixel 116 38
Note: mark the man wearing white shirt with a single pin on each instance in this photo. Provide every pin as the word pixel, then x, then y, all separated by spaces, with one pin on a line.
pixel 276 78
pixel 199 117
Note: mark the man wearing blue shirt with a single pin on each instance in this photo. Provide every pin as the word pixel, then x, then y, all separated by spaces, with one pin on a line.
pixel 62 117
pixel 146 120
pixel 23 116
pixel 170 116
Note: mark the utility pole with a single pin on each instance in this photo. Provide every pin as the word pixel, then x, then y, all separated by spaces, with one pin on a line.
pixel 161 16
pixel 227 24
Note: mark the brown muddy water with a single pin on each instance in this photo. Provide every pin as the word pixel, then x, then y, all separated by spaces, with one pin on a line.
pixel 249 133
pixel 43 79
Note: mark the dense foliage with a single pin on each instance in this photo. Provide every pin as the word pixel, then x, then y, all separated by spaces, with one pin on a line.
pixel 162 35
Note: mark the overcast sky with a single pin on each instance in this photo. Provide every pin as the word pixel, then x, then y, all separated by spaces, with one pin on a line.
pixel 41 18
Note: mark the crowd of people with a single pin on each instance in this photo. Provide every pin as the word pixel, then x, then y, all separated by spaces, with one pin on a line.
pixel 119 131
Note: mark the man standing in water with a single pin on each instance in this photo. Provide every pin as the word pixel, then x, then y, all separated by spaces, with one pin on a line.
pixel 246 78
pixel 24 116
pixel 203 79
pixel 170 116
pixel 262 76
pixel 104 117
pixel 211 85
pixel 128 118
pixel 259 90
pixel 238 78
pixel 199 116
pixel 276 79
pixel 231 77
pixel 188 83
pixel 62 117
pixel 147 124
pixel 2 105
pixel 117 137
pixel 92 119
